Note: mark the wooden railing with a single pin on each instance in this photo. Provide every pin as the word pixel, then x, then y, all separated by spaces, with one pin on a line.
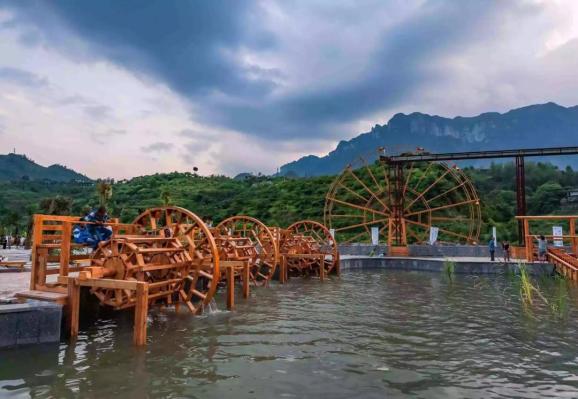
pixel 565 264
pixel 52 243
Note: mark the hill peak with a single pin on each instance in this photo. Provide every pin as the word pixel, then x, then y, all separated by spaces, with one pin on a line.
pixel 14 167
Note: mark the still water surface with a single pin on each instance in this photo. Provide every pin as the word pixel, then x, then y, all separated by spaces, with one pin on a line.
pixel 370 334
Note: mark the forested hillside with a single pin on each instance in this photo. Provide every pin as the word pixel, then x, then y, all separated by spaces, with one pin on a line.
pixel 275 200
pixel 14 167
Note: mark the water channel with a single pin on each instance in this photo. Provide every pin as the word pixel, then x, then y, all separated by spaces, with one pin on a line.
pixel 368 334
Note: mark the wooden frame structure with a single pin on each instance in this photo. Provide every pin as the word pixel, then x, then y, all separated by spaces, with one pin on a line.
pixel 168 255
pixel 529 238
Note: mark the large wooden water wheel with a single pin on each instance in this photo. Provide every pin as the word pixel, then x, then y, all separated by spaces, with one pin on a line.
pixel 162 262
pixel 404 202
pixel 243 238
pixel 196 238
pixel 307 246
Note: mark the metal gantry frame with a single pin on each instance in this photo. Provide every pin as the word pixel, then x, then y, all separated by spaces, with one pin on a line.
pixel 518 154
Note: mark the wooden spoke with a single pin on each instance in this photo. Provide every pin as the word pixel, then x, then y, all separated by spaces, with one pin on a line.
pixel 428 189
pixel 441 207
pixel 440 229
pixel 369 191
pixel 363 208
pixel 371 222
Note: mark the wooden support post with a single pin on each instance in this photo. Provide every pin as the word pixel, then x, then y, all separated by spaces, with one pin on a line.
pixel 230 287
pixel 322 268
pixel 41 266
pixel 246 280
pixel 574 242
pixel 338 266
pixel 528 241
pixel 73 306
pixel 283 269
pixel 140 314
pixel 65 248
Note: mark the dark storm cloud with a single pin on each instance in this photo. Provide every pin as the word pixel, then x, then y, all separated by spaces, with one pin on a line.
pixel 185 43
pixel 191 46
pixel 407 58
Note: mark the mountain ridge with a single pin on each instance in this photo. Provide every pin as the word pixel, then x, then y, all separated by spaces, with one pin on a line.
pixel 19 167
pixel 531 126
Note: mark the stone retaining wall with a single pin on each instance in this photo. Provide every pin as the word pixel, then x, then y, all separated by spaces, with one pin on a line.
pixel 32 322
pixel 438 251
pixel 437 265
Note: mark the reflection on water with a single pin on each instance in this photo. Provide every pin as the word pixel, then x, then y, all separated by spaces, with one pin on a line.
pixel 368 334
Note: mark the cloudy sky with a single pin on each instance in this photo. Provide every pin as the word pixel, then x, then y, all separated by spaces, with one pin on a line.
pixel 125 88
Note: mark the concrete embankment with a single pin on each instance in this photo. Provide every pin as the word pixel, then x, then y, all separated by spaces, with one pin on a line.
pixel 464 265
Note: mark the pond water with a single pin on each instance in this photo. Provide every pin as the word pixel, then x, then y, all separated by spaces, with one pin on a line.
pixel 369 334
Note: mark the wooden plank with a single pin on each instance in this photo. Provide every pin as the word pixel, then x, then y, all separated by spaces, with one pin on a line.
pixel 110 283
pixel 140 314
pixel 231 263
pixel 44 296
pixel 574 241
pixel 230 288
pixel 322 268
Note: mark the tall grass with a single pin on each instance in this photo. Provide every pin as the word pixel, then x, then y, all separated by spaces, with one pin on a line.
pixel 528 291
pixel 449 268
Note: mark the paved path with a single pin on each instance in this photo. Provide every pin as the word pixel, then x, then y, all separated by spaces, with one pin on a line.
pixel 16 255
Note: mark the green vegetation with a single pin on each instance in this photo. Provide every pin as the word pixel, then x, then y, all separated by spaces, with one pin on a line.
pixel 449 268
pixel 275 200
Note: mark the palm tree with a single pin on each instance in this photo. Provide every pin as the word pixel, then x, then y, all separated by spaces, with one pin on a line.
pixel 104 191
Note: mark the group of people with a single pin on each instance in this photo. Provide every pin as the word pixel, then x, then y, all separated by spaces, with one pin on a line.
pixel 7 242
pixel 505 248
pixel 542 249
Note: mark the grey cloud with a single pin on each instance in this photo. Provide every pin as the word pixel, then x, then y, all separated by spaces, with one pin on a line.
pixel 21 77
pixel 103 136
pixel 98 112
pixel 157 147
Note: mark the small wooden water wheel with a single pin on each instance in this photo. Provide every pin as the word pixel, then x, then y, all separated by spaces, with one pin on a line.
pixel 243 238
pixel 307 245
pixel 160 261
pixel 196 238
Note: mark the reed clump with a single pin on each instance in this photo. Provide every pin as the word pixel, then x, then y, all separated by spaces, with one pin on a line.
pixel 449 268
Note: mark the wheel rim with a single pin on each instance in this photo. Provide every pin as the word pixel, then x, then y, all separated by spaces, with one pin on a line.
pixel 194 235
pixel 246 238
pixel 308 237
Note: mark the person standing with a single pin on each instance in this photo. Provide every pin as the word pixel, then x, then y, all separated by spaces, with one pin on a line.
pixel 542 248
pixel 492 248
pixel 506 249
